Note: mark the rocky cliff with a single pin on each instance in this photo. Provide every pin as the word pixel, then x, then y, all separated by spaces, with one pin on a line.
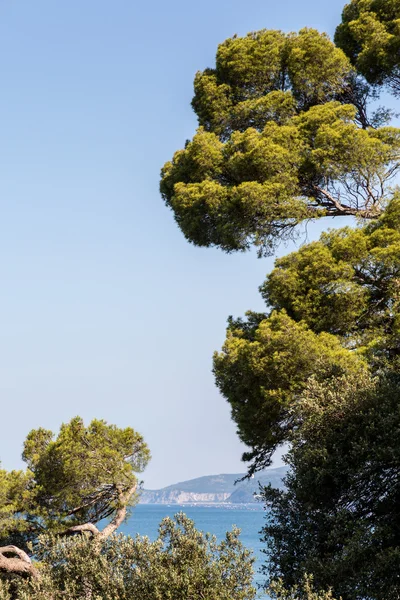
pixel 180 497
pixel 214 489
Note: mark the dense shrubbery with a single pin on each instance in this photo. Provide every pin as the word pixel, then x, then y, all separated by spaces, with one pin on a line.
pixel 339 517
pixel 52 549
pixel 182 563
pixel 305 590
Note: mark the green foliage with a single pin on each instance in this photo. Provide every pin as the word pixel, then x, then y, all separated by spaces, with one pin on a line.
pixel 321 371
pixel 182 563
pixel 84 475
pixel 15 493
pixel 262 369
pixel 346 284
pixel 339 517
pixel 334 312
pixel 370 36
pixel 283 137
pixel 5 593
pixel 77 477
pixel 304 591
pixel 268 74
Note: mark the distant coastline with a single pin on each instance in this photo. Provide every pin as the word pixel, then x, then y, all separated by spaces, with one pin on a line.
pixel 213 490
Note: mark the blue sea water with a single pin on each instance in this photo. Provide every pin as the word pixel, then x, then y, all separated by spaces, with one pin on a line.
pixel 217 520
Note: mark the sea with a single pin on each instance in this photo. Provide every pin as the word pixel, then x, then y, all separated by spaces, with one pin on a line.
pixel 216 520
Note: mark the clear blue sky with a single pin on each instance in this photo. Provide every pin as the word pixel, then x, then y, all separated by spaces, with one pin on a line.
pixel 106 311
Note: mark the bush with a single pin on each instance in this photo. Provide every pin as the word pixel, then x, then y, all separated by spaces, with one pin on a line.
pixel 182 564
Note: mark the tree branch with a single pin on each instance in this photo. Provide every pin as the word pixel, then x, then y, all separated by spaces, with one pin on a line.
pixel 342 209
pixel 120 514
pixel 109 529
pixel 81 528
pixel 20 563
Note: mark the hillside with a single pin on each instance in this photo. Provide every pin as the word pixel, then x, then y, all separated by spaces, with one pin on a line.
pixel 213 489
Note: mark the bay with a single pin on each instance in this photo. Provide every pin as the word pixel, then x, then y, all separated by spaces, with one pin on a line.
pixel 216 520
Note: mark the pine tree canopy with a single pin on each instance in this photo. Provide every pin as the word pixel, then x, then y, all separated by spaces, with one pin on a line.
pixel 369 34
pixel 284 137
